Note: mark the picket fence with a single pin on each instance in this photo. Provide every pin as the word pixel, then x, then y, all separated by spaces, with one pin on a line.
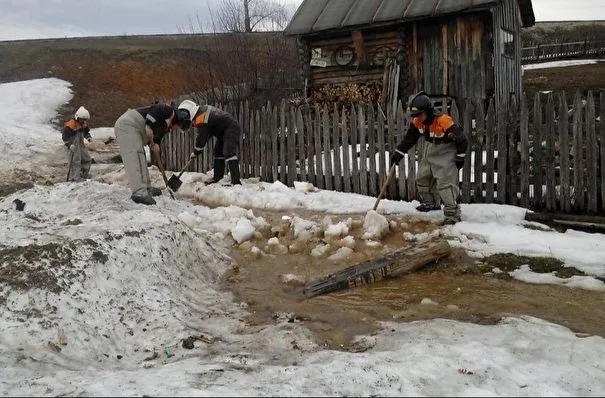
pixel 546 155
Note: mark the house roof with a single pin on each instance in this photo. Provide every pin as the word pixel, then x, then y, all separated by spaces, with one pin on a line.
pixel 320 15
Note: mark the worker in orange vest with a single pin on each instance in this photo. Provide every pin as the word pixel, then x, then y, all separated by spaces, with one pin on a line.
pixel 74 132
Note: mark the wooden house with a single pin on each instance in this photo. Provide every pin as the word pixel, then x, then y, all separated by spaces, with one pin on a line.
pixel 448 48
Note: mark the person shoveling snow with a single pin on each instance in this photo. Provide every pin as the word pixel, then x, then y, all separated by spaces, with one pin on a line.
pixel 74 132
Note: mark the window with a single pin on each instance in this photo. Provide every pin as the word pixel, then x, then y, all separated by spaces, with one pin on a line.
pixel 508 43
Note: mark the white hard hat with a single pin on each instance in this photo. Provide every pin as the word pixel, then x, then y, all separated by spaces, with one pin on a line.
pixel 190 107
pixel 82 113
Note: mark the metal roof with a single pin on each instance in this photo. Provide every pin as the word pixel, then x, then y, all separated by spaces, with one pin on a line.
pixel 319 15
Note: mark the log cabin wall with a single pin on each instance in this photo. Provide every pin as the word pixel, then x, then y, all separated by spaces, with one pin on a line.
pixel 507 50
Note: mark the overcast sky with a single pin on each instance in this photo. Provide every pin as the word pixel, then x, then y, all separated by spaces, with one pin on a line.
pixel 30 19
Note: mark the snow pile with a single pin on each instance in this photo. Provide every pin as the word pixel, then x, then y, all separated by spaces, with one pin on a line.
pixel 341 254
pixel 240 223
pixel 374 225
pixel 304 229
pixel 525 274
pixel 304 187
pixel 336 230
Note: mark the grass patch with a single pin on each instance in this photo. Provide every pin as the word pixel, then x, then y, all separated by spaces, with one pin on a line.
pixel 509 262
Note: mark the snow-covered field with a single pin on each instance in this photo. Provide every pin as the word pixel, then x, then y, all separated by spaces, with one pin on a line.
pixel 97 294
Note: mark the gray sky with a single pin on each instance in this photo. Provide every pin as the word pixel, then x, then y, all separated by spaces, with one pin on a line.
pixel 30 19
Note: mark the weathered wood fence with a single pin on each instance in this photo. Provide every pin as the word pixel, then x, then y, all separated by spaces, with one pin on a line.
pixel 545 154
pixel 562 51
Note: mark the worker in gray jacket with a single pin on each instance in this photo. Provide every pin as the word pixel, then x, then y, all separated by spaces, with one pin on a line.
pixel 444 155
pixel 74 132
pixel 145 126
pixel 209 121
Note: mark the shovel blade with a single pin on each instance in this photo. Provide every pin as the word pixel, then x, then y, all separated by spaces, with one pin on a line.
pixel 174 183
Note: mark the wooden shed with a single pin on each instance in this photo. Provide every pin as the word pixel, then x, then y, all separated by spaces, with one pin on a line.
pixel 393 48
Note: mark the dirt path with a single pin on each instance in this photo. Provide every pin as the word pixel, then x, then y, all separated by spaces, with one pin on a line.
pixel 458 285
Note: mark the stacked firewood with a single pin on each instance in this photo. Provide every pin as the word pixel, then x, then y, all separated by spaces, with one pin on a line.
pixel 330 94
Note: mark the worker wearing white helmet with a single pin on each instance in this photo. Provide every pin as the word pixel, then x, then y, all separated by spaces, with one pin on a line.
pixel 74 132
pixel 209 121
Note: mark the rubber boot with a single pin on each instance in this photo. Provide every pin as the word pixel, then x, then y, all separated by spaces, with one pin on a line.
pixel 153 191
pixel 219 170
pixel 452 215
pixel 426 207
pixel 233 164
pixel 144 200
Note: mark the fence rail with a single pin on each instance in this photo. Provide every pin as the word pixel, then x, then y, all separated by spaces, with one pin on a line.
pixel 545 154
pixel 562 51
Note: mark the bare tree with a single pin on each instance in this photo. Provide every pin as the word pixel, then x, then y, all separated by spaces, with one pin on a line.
pixel 251 15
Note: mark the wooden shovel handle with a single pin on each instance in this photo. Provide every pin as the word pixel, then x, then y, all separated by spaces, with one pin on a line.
pixel 387 180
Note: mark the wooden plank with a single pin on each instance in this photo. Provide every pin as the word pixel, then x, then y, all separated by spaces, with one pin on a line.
pixel 502 143
pixel 550 156
pixel 291 146
pixel 490 147
pixel 319 162
pixel 242 149
pixel 363 154
pixel 602 157
pixel 391 265
pixel 354 137
pixel 382 169
pixel 478 151
pixel 524 149
pixel 346 165
pixel 564 191
pixel 537 153
pixel 275 143
pixel 262 137
pixel 309 147
pixel 373 180
pixel 512 188
pixel 257 143
pixel 548 217
pixel 360 49
pixel 327 149
pixel 391 137
pixel 336 138
pixel 282 142
pixel 592 156
pixel 300 139
pixel 402 182
pixel 467 121
pixel 578 164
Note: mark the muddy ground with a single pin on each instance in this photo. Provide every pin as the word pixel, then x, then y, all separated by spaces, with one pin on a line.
pixel 459 287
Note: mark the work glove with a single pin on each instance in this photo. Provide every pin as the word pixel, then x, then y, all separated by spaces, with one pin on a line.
pixel 459 160
pixel 396 158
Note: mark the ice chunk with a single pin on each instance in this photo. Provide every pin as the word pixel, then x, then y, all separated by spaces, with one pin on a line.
pixel 320 250
pixel 303 186
pixel 336 230
pixel 375 225
pixel 373 243
pixel 303 229
pixel 273 242
pixel 291 279
pixel 341 254
pixel 347 241
pixel 428 301
pixel 243 230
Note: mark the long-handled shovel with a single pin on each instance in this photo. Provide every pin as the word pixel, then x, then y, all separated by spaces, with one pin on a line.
pixel 175 182
pixel 383 190
pixel 161 167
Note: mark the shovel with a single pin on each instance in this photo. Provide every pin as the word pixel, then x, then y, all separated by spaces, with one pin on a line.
pixel 161 167
pixel 175 182
pixel 383 190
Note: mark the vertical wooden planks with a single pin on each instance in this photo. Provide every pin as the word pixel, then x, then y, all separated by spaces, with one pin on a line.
pixel 363 158
pixel 242 142
pixel 257 144
pixel 401 169
pixel 300 134
pixel 291 146
pixel 275 143
pixel 537 153
pixel 502 143
pixel 524 149
pixel 578 164
pixel 392 136
pixel 550 158
pixel 263 158
pixel 466 170
pixel 512 187
pixel 354 137
pixel 309 151
pixel 282 143
pixel 327 148
pixel 346 163
pixel 372 180
pixel 336 146
pixel 319 162
pixel 564 191
pixel 381 149
pixel 480 138
pixel 490 147
pixel 592 156
pixel 602 152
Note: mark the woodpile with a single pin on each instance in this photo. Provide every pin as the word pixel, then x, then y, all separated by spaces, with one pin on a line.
pixel 330 94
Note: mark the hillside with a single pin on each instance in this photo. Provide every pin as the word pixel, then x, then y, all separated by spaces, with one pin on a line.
pixel 110 74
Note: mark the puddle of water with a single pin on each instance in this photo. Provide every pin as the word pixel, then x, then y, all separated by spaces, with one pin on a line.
pixel 337 318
